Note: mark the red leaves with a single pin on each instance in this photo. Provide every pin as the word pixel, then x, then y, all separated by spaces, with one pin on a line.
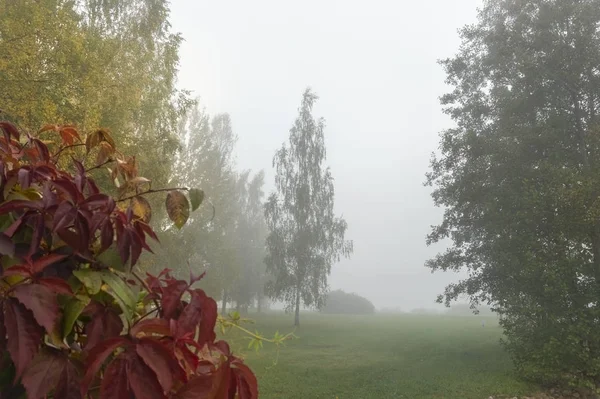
pixel 55 232
pixel 200 309
pixel 197 387
pixel 96 358
pixel 172 297
pixel 68 134
pixel 68 383
pixel 52 370
pixel 43 373
pixel 114 384
pixel 142 380
pixel 105 324
pixel 152 326
pixel 161 360
pixel 45 261
pixel 41 301
pixel 23 333
pixel 247 385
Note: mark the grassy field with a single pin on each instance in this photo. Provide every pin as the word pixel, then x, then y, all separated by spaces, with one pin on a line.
pixel 383 356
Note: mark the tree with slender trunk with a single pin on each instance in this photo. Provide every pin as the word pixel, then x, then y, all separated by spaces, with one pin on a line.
pixel 305 237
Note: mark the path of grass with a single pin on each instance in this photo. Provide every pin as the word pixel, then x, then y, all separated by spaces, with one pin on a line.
pixel 379 357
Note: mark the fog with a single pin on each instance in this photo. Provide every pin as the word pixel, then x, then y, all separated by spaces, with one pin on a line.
pixel 373 64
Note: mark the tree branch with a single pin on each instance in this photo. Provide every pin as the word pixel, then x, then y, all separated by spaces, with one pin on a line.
pixel 152 191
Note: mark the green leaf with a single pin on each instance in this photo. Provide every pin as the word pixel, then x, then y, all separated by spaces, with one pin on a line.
pixel 178 208
pixel 121 292
pixel 71 312
pixel 91 279
pixel 111 258
pixel 196 198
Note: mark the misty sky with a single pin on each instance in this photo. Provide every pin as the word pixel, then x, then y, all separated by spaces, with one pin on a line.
pixel 373 64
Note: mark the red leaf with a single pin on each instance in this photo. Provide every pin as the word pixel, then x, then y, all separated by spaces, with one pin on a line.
pixel 16 205
pixel 43 373
pixel 83 231
pixel 64 216
pixel 96 201
pixel 147 229
pixel 106 235
pixel 68 135
pixel 10 129
pixel 209 319
pixel 123 241
pixel 189 357
pixel 198 387
pixel 223 347
pixel 247 385
pixel 48 127
pixel 68 384
pixel 71 239
pixel 172 297
pixel 46 261
pixel 17 270
pixel 142 380
pixel 136 246
pixel 151 326
pixel 42 303
pixel 114 383
pixel 96 358
pixel 222 383
pixel 68 188
pixel 23 333
pixel 106 324
pixel 42 149
pixel 37 223
pixel 2 330
pixel 12 229
pixel 57 285
pixel 7 247
pixel 161 361
pixel 200 308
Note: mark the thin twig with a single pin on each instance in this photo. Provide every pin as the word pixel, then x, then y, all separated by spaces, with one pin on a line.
pixel 99 166
pixel 152 191
pixel 67 147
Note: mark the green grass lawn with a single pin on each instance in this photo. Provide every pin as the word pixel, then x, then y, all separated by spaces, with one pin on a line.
pixel 382 356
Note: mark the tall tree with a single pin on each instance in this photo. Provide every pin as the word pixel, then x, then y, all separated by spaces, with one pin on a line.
pixel 305 237
pixel 96 63
pixel 520 180
pixel 252 233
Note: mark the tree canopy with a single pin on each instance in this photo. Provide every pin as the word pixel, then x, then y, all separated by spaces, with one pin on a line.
pixel 518 177
pixel 305 237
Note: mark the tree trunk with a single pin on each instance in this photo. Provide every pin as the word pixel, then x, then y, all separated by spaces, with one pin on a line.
pixel 224 304
pixel 297 316
pixel 258 304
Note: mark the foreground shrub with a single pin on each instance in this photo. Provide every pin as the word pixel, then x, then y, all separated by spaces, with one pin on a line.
pixel 341 302
pixel 76 320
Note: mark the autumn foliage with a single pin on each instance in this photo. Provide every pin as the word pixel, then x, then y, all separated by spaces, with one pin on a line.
pixel 76 320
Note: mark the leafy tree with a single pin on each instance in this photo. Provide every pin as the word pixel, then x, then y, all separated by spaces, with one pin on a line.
pixel 76 318
pixel 519 178
pixel 98 63
pixel 251 232
pixel 227 239
pixel 305 236
pixel 340 302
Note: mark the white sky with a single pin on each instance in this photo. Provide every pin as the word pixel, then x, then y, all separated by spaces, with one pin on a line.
pixel 373 64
